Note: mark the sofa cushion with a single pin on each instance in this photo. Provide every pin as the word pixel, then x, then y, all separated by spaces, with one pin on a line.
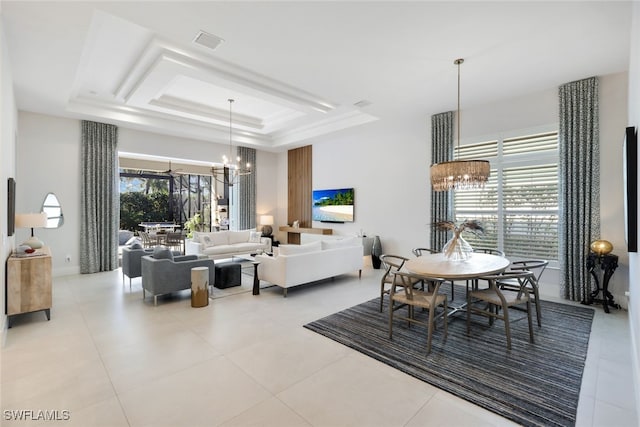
pixel 161 252
pixel 300 249
pixel 239 236
pixel 255 236
pixel 135 245
pixel 220 238
pixel 219 249
pixel 213 238
pixel 340 243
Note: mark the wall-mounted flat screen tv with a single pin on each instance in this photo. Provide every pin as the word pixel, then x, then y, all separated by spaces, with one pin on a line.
pixel 335 205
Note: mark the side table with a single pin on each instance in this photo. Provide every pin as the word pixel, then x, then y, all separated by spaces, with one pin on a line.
pixel 28 285
pixel 607 265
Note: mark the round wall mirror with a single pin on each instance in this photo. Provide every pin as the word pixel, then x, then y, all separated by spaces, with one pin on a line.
pixel 51 206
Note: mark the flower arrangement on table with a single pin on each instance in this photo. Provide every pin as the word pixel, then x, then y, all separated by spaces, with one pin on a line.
pixel 458 249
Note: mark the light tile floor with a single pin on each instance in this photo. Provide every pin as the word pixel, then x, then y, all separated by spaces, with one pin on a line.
pixel 111 359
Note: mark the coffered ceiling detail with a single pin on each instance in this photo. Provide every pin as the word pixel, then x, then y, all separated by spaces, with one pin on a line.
pixel 155 83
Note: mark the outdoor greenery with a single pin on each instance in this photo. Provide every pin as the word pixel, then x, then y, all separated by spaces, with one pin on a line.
pixel 194 223
pixel 137 207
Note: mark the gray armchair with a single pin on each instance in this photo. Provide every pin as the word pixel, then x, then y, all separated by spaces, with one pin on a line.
pixel 166 275
pixel 132 262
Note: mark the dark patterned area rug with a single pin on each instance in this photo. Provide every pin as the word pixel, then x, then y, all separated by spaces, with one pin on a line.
pixel 533 384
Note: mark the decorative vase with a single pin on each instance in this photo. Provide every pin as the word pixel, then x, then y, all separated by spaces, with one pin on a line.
pixel 376 251
pixel 457 249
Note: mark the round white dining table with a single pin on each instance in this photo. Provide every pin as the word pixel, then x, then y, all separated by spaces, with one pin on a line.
pixel 438 266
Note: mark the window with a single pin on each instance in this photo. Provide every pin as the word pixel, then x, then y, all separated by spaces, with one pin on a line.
pixel 519 206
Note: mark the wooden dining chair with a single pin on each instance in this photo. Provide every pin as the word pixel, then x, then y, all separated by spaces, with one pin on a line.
pixel 402 293
pixel 494 304
pixel 535 266
pixel 490 251
pixel 391 264
pixel 421 251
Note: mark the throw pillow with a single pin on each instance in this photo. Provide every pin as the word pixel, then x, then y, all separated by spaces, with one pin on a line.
pixel 300 249
pixel 135 245
pixel 206 241
pixel 133 240
pixel 220 238
pixel 255 237
pixel 162 252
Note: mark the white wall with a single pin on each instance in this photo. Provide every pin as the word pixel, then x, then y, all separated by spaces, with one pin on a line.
pixel 387 164
pixel 634 258
pixel 48 160
pixel 8 115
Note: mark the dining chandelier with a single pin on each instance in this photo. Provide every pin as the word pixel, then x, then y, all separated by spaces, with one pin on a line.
pixel 230 170
pixel 459 174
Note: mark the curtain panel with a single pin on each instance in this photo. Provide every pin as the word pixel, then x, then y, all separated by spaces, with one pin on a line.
pixel 579 204
pixel 441 151
pixel 99 198
pixel 247 191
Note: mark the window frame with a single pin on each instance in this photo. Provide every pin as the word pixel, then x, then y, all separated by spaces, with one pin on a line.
pixel 500 162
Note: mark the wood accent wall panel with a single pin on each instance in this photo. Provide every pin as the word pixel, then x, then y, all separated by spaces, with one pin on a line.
pixel 300 186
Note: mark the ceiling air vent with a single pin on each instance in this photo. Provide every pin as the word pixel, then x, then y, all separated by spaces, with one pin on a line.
pixel 207 40
pixel 363 103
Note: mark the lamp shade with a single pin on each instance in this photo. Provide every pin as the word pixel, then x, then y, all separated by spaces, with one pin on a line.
pixel 31 220
pixel 266 220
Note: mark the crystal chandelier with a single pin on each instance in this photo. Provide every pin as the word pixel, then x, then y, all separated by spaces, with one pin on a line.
pixel 459 174
pixel 230 171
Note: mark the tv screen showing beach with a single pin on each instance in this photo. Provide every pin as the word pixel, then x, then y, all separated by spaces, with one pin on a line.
pixel 333 205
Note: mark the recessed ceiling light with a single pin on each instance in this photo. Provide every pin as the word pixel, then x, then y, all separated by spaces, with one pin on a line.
pixel 207 40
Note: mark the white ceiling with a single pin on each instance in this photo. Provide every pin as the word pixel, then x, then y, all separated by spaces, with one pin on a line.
pixel 296 69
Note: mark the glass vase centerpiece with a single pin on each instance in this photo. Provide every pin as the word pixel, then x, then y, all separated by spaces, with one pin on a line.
pixel 457 248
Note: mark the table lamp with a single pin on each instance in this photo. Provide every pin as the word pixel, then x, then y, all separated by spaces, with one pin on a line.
pixel 32 220
pixel 601 247
pixel 266 221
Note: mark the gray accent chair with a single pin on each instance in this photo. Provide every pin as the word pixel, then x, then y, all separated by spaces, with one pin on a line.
pixel 171 274
pixel 132 261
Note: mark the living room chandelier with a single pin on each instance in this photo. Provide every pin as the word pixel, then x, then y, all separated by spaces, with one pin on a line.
pixel 230 171
pixel 459 174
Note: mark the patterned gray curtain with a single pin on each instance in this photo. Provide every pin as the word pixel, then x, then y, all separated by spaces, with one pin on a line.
pixel 99 199
pixel 247 191
pixel 579 198
pixel 441 151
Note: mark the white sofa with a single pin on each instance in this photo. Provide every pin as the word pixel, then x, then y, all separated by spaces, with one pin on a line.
pixel 225 244
pixel 298 264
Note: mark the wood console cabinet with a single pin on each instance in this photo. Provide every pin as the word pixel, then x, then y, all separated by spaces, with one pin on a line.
pixel 28 284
